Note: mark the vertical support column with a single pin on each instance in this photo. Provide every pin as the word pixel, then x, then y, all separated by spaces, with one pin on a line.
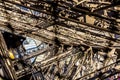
pixel 4 59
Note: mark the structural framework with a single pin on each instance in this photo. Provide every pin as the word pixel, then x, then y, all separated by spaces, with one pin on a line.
pixel 80 39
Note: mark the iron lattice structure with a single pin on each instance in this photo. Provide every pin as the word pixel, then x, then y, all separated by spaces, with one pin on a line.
pixel 82 38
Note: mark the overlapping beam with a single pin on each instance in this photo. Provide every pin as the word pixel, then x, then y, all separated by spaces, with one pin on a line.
pixel 69 19
pixel 62 20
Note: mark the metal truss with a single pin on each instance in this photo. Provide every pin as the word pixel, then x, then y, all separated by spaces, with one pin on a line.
pixel 60 13
pixel 78 34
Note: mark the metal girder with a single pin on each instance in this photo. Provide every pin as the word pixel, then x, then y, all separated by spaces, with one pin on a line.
pixel 114 3
pixel 62 23
pixel 8 71
pixel 72 20
pixel 97 70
